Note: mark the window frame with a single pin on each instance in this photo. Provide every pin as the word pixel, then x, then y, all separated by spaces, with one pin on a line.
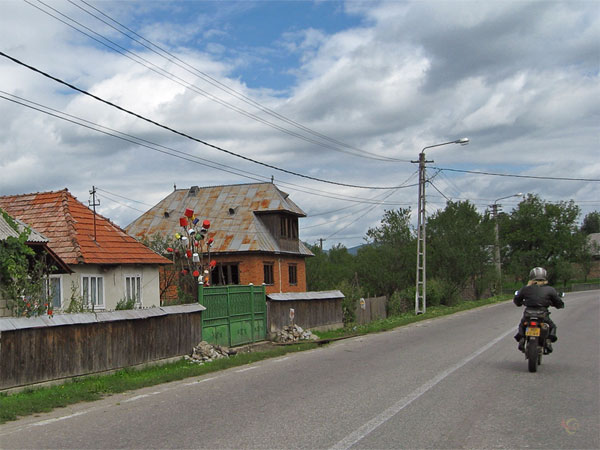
pixel 138 287
pixel 293 274
pixel 49 293
pixel 87 298
pixel 268 272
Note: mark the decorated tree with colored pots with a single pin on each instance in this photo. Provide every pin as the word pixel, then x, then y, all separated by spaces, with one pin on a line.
pixel 191 252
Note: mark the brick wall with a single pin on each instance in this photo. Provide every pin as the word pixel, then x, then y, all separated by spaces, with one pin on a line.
pixel 251 267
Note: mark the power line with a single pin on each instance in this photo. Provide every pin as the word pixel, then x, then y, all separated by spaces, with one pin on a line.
pixel 517 176
pixel 162 72
pixel 187 136
pixel 213 81
pixel 178 154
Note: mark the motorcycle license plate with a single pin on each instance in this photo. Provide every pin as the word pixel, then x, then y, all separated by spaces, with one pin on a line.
pixel 532 332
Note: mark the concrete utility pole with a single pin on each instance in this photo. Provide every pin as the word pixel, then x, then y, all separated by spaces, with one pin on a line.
pixel 421 285
pixel 497 260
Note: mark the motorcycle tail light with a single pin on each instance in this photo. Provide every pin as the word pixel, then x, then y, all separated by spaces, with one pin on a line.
pixel 533 324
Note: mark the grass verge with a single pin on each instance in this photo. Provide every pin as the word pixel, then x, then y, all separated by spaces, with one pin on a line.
pixel 407 318
pixel 90 388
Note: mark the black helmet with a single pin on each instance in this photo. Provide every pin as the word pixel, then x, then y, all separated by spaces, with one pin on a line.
pixel 538 274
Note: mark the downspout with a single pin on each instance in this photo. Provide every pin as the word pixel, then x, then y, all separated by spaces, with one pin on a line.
pixel 280 276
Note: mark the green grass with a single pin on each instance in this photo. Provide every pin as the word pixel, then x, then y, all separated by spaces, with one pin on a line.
pixel 407 318
pixel 90 388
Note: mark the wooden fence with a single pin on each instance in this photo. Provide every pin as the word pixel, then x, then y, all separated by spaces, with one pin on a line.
pixel 42 349
pixel 311 310
pixel 370 309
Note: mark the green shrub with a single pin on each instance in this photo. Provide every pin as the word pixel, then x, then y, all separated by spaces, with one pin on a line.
pixel 401 301
pixel 125 304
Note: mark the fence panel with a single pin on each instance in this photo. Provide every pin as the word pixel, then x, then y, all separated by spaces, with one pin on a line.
pixel 373 308
pixel 234 315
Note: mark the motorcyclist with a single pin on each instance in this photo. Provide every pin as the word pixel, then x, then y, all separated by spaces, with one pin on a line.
pixel 538 294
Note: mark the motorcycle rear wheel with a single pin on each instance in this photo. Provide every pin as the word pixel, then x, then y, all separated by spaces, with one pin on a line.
pixel 532 354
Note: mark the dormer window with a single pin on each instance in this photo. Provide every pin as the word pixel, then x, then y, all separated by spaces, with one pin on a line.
pixel 289 227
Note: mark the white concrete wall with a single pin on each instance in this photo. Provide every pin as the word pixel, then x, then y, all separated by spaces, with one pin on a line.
pixel 113 284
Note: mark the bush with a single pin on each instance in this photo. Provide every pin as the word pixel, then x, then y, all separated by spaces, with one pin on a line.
pixel 352 294
pixel 125 304
pixel 401 301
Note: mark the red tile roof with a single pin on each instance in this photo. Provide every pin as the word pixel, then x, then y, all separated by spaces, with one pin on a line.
pixel 69 226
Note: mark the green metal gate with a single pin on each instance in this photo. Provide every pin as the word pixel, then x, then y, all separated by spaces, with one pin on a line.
pixel 234 315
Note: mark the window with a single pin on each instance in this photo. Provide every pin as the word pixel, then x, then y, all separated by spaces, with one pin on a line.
pixel 289 227
pixel 268 273
pixel 92 291
pixel 227 273
pixel 54 291
pixel 133 288
pixel 293 273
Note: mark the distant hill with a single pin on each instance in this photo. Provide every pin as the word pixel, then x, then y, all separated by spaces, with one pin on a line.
pixel 354 250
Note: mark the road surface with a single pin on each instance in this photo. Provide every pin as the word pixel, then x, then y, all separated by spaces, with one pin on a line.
pixel 452 382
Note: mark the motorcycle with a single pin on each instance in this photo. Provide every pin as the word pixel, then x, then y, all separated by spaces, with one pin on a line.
pixel 536 336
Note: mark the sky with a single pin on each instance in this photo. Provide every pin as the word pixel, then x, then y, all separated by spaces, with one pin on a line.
pixel 331 100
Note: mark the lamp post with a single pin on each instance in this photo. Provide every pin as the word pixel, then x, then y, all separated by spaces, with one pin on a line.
pixel 497 261
pixel 421 285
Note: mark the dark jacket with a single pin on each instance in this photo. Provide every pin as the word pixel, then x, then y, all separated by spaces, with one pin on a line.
pixel 540 296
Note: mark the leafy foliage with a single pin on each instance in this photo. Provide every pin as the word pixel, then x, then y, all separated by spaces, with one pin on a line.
pixel 591 223
pixel 22 274
pixel 542 234
pixel 458 247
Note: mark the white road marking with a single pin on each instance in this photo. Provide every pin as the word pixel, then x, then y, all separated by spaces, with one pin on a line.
pixel 48 421
pixel 200 381
pixel 246 369
pixel 382 418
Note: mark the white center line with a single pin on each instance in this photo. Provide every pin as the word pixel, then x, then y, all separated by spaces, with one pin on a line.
pixel 386 415
pixel 246 369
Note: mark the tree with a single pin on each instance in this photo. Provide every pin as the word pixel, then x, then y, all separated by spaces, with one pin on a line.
pixel 23 274
pixel 388 263
pixel 542 234
pixel 591 223
pixel 327 269
pixel 459 250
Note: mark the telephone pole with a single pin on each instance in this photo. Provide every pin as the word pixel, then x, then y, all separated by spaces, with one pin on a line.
pixel 421 283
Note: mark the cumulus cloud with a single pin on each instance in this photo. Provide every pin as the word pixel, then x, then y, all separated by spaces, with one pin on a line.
pixel 520 79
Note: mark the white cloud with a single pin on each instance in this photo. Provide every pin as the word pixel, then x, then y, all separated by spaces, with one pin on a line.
pixel 518 78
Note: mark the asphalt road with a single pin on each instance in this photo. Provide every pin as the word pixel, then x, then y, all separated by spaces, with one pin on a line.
pixel 453 382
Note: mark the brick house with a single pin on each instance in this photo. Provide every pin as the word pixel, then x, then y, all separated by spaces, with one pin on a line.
pixel 255 232
pixel 107 264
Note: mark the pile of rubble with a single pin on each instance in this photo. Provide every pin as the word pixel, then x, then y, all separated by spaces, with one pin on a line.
pixel 205 352
pixel 294 333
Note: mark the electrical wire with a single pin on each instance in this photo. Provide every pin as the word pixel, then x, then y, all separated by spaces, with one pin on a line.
pixel 179 154
pixel 187 136
pixel 216 83
pixel 162 72
pixel 533 177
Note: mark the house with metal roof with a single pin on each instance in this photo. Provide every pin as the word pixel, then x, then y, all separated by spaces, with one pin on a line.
pixel 254 228
pixel 106 264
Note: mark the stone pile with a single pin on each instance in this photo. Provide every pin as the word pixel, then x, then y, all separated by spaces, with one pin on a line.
pixel 205 352
pixel 294 333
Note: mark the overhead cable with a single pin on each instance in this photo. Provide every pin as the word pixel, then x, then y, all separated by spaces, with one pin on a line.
pixel 164 73
pixel 187 136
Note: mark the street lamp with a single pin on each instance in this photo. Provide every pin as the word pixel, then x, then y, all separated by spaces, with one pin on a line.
pixel 421 285
pixel 497 261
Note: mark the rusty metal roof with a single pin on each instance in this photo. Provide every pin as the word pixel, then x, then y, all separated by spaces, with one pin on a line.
pixel 233 211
